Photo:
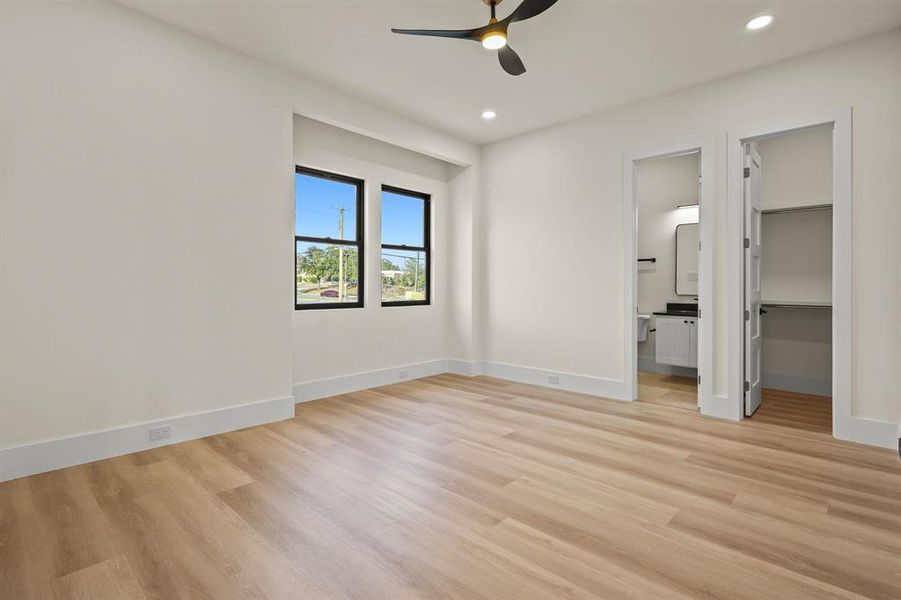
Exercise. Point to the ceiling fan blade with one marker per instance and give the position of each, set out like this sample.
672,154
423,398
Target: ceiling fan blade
460,34
530,8
510,61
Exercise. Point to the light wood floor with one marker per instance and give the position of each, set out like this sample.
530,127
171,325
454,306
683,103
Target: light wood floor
778,407
450,487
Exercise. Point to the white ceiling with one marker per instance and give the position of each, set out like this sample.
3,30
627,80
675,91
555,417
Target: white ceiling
581,55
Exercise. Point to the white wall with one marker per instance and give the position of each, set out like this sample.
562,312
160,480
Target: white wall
796,256
332,343
662,185
796,168
557,192
796,266
147,202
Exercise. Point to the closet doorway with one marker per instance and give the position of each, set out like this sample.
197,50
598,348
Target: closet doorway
793,276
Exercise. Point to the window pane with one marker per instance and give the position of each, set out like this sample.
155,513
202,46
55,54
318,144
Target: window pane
324,208
320,277
402,220
403,275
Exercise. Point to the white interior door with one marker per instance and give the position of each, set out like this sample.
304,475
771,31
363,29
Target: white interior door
752,280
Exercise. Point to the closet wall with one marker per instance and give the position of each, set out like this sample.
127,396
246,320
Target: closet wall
796,260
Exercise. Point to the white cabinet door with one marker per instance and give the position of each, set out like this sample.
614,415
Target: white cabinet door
693,343
672,343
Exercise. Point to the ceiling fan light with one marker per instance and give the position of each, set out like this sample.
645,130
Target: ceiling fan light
494,40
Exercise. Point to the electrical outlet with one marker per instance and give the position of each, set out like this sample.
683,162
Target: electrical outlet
553,379
403,374
160,433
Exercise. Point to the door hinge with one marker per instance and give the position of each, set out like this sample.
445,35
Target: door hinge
699,313
747,315
747,386
699,246
747,242
699,380
747,172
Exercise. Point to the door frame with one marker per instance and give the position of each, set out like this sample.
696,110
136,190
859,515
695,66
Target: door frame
706,215
843,425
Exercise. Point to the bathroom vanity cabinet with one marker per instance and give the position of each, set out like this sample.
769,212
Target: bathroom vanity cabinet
677,341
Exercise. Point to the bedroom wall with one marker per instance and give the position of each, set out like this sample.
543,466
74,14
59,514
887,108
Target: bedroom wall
557,192
146,240
340,343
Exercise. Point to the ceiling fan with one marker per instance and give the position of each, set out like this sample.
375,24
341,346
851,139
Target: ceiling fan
493,36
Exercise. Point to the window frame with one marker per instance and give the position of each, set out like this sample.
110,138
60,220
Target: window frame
426,247
359,184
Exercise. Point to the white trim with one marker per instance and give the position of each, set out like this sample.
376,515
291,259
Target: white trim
50,455
571,382
46,456
720,407
706,217
870,431
844,424
469,368
354,382
796,383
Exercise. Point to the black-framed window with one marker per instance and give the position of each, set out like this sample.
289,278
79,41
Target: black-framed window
328,240
406,247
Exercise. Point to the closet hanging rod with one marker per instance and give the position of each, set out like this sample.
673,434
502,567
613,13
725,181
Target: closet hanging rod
792,209
653,260
802,305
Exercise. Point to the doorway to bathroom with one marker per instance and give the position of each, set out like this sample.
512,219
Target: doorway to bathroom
668,192
669,269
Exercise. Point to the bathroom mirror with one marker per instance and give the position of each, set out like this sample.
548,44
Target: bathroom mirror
687,259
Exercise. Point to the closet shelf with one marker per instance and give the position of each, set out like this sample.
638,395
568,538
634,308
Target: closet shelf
793,209
796,304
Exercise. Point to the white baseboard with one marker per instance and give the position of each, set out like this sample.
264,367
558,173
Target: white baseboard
84,448
354,382
586,384
571,382
719,407
56,454
868,431
797,383
470,368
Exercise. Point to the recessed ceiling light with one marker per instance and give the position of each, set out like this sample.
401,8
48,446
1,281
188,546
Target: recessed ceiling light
759,22
488,114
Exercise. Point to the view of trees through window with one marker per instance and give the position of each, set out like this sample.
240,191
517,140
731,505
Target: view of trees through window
405,247
403,275
328,240
326,273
